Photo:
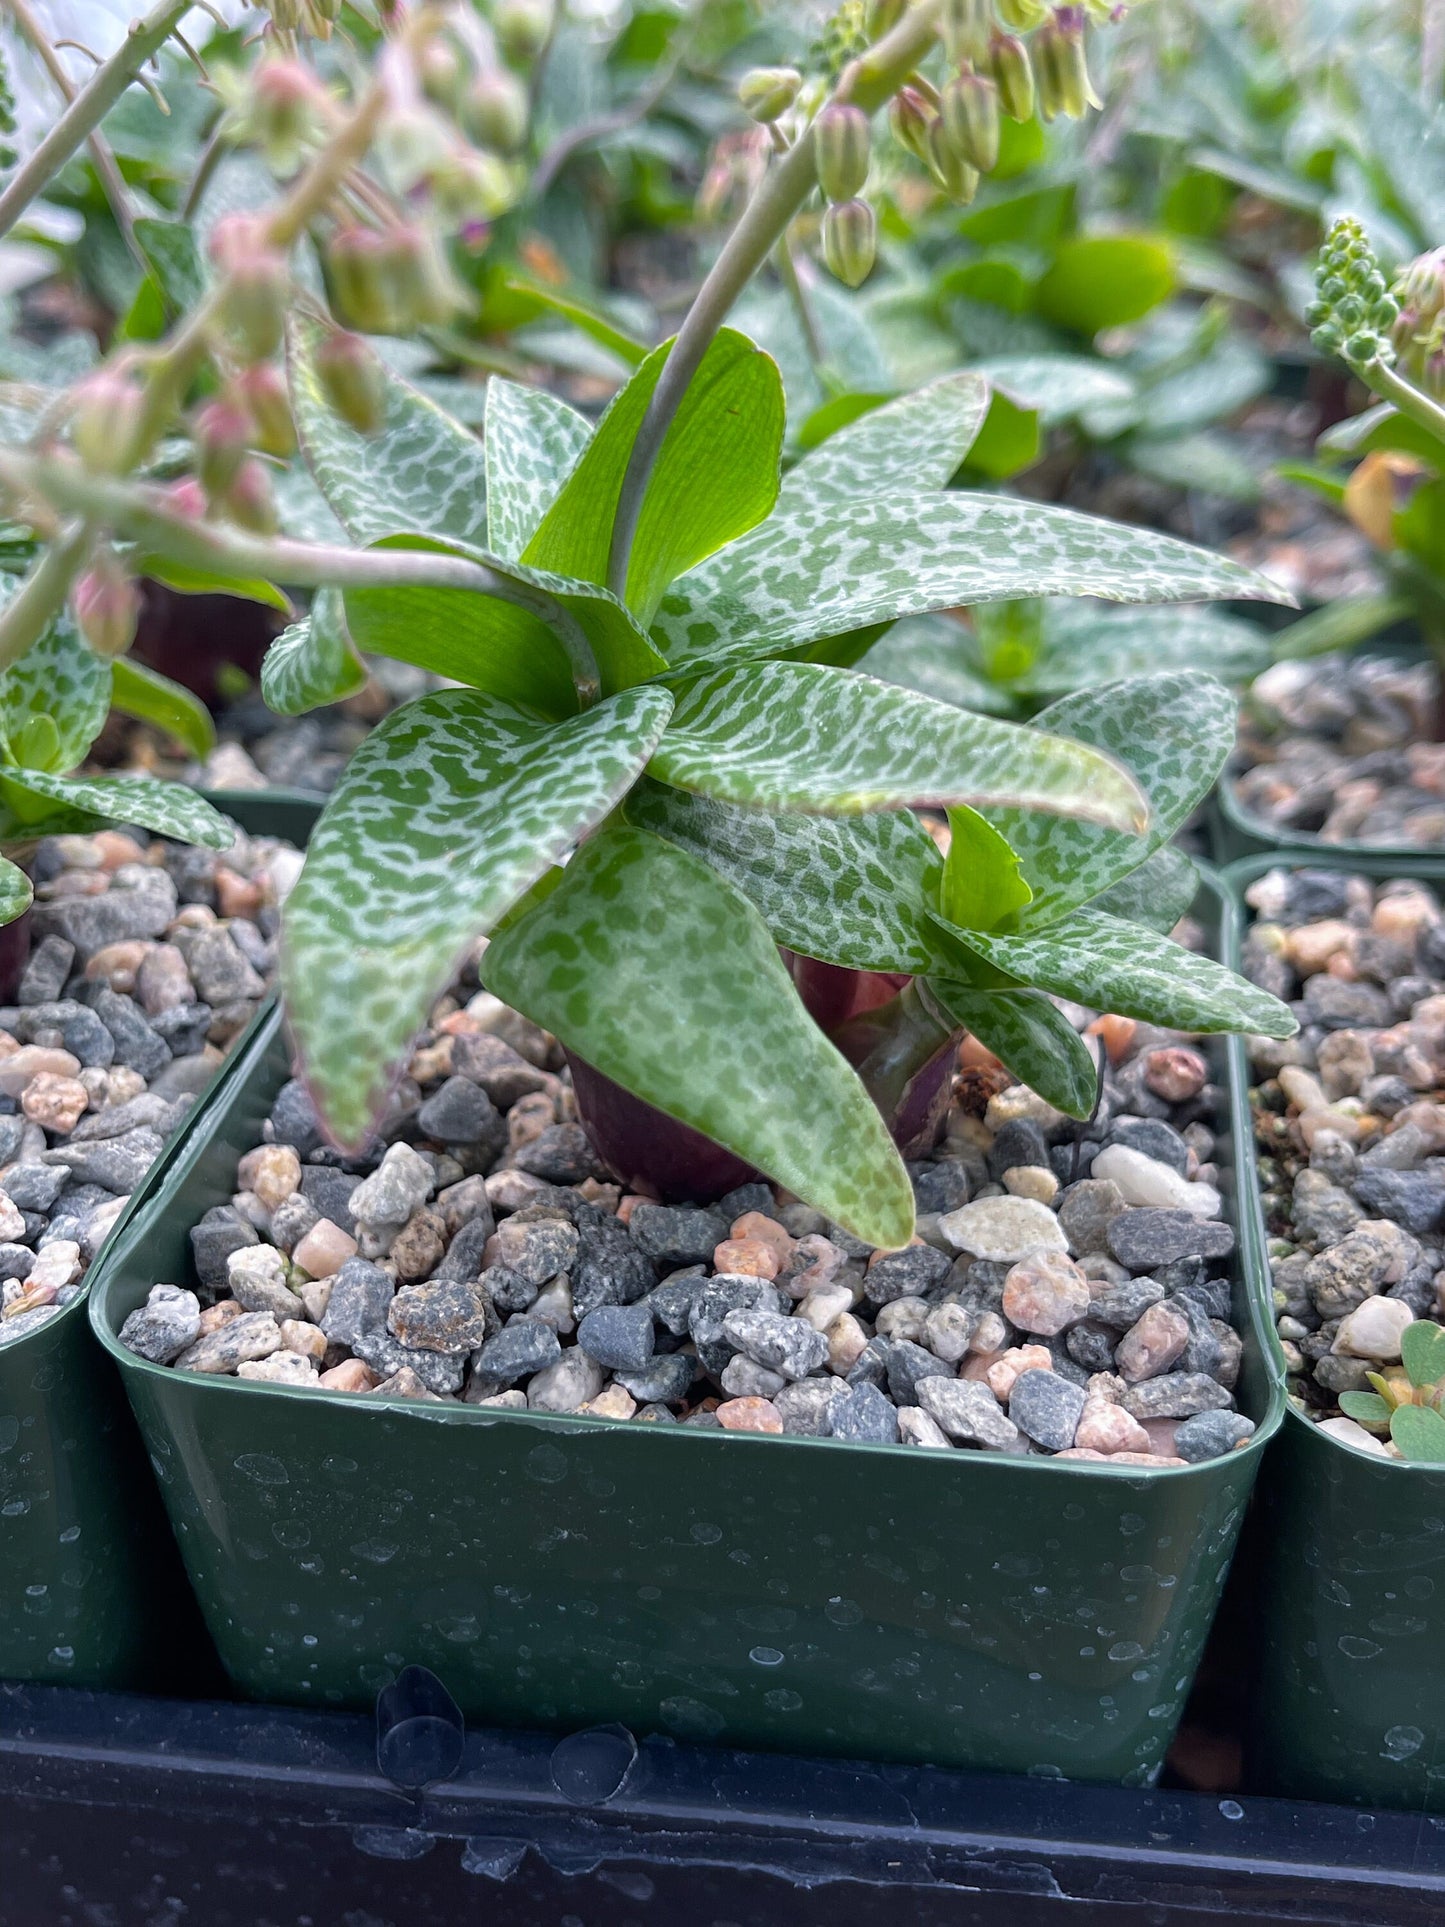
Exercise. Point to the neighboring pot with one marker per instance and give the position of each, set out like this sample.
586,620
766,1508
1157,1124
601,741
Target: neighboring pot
1349,1695
880,1601
91,1592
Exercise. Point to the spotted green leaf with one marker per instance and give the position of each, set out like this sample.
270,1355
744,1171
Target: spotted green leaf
916,442
170,809
1059,387
799,736
498,644
816,569
313,662
661,975
1173,732
1108,964
1422,1352
61,680
1032,1037
982,884
152,698
420,471
1083,645
533,443
850,890
15,891
940,658
446,814
1157,894
1419,1431
715,477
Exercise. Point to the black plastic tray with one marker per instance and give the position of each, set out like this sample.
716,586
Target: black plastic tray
128,1811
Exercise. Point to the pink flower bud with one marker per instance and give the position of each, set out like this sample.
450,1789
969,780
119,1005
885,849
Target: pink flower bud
221,432
495,111
261,391
248,499
186,497
353,381
108,410
107,605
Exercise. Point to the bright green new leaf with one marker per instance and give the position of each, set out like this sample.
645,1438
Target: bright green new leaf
916,442
1422,1352
587,317
15,891
313,662
818,569
170,809
58,680
1419,1431
850,890
1104,280
1174,732
982,884
1059,388
1380,427
152,698
798,736
501,645
1010,440
1032,1037
663,977
533,442
446,814
1365,1408
175,262
1157,894
421,472
186,580
715,478
1107,964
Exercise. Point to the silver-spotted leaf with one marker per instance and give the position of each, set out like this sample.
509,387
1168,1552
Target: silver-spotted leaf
1029,1035
646,963
61,679
1157,894
1110,965
447,813
916,442
850,890
533,442
312,663
716,475
15,891
170,809
420,472
1173,731
800,736
818,569
1083,645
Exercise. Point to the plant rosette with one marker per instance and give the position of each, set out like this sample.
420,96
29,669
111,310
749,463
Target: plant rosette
149,961
1350,1121
1067,1294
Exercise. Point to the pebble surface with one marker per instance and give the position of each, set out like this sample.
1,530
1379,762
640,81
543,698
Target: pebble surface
1350,1124
479,1254
1343,748
148,960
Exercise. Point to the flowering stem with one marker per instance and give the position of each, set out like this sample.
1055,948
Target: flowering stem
869,81
35,604
1405,396
89,107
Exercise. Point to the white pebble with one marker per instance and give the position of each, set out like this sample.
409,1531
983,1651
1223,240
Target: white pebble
1145,1181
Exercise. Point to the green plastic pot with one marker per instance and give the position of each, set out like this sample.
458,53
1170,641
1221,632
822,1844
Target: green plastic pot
879,1601
1350,1694
91,1591
1236,832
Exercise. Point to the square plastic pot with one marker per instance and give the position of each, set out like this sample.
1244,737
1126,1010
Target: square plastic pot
91,1592
883,1601
1349,1692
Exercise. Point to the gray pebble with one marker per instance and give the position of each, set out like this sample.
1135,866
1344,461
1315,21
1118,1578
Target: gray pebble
1175,1395
663,1380
520,1348
676,1235
619,1337
164,1325
788,1345
255,1334
1147,1238
1046,1408
450,1316
440,1372
1208,1435
361,1295
967,1410
866,1416
460,1112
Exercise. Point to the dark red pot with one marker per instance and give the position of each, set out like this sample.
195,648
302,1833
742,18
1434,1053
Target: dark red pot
14,955
191,637
646,1149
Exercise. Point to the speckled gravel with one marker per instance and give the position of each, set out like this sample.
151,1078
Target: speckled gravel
1350,1121
1067,1293
148,961
1341,748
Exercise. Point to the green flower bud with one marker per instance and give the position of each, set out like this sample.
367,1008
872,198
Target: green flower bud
1013,76
284,114
841,137
1353,314
221,432
107,409
261,392
352,381
967,25
958,180
1022,16
1418,325
523,28
247,500
442,70
1061,67
911,117
495,111
257,286
387,281
107,605
472,188
850,241
969,109
767,92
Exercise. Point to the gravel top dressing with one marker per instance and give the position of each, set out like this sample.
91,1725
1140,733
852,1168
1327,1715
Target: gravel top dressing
1350,1119
1067,1294
148,961
1341,748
